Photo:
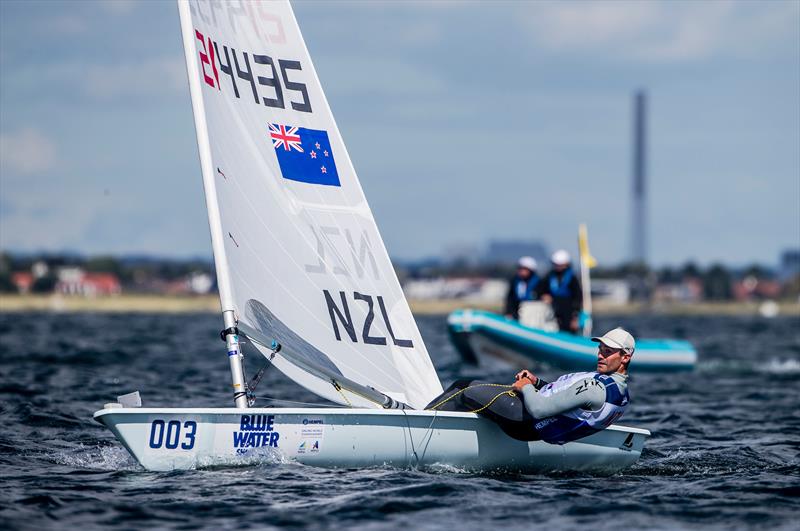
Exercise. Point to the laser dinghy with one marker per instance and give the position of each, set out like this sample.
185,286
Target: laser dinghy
305,279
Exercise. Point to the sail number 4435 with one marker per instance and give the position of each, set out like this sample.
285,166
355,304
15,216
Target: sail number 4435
171,434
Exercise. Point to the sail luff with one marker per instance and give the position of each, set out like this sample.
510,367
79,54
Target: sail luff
206,165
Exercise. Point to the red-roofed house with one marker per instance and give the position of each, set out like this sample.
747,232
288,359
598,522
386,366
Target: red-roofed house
23,281
77,282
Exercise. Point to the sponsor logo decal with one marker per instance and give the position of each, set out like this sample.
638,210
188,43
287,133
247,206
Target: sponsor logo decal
308,447
312,432
255,431
541,424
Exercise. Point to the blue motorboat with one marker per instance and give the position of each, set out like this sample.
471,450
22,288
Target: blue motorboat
477,332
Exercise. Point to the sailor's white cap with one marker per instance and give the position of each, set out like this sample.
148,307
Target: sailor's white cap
527,262
560,257
617,338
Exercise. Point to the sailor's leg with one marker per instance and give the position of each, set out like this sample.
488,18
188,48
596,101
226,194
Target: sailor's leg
450,399
495,402
503,406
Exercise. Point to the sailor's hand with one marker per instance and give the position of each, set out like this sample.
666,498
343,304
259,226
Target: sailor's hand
523,378
524,373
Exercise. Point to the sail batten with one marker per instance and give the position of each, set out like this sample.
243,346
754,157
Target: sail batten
299,256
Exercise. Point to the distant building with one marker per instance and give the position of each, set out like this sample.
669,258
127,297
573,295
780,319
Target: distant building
509,251
750,288
75,281
789,266
200,283
193,284
615,292
40,269
468,254
475,290
689,290
23,281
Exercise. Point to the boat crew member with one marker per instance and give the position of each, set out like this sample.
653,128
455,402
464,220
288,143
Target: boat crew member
572,407
561,289
522,287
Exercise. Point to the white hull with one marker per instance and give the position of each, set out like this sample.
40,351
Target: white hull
185,438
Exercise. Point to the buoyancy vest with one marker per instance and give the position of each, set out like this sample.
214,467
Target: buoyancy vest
577,423
561,289
524,288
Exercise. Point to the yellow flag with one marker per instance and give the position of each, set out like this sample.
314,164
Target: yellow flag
583,245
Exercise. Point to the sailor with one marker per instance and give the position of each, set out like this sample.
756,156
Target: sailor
522,287
572,407
561,289
579,404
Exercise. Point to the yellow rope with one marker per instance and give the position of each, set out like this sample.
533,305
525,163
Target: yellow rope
339,388
508,392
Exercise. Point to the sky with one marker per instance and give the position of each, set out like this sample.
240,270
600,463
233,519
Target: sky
98,152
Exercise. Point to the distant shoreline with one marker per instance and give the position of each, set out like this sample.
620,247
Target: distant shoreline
129,303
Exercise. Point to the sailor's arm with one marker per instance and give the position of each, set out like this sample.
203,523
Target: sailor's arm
586,394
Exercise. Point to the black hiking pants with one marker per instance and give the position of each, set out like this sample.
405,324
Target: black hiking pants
506,410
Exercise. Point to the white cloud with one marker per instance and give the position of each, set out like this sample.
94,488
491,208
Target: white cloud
583,26
148,77
65,24
26,152
118,7
658,31
379,75
72,21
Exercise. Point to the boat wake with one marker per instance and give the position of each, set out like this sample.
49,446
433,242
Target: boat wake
253,458
704,462
780,366
776,366
444,468
110,458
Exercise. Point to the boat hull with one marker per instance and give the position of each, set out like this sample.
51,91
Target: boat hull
475,333
186,438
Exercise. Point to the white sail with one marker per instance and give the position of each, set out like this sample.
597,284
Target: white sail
298,254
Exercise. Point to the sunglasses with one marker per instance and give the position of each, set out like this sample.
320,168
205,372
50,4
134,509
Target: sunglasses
608,351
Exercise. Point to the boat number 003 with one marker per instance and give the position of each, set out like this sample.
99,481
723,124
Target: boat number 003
168,434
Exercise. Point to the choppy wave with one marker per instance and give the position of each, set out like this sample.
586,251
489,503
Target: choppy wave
723,454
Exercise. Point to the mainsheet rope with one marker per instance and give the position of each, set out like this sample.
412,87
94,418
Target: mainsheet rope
508,392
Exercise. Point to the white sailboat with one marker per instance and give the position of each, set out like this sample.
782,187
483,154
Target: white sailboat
304,276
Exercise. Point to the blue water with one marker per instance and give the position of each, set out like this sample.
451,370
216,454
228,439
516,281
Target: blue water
725,450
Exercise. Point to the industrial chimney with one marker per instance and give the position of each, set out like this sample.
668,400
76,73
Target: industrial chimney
639,221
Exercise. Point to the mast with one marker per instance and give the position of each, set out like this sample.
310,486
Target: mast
212,206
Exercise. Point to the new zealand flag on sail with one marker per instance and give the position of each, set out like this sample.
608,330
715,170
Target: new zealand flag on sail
304,155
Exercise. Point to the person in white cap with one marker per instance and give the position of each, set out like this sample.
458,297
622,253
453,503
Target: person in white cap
522,287
581,403
574,406
560,287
